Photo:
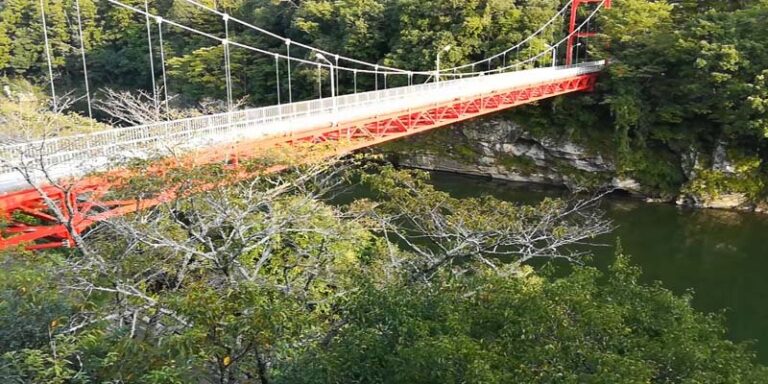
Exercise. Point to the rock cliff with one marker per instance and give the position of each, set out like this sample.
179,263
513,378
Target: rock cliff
502,149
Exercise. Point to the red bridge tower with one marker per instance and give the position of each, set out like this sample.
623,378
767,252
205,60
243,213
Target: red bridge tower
573,35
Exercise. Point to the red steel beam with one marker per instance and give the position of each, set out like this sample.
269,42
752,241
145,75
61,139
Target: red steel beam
87,196
573,35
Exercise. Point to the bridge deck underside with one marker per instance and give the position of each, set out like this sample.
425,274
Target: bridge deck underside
83,202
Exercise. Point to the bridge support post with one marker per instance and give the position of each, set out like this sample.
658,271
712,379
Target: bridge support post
573,34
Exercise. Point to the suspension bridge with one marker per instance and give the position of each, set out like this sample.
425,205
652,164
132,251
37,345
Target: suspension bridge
48,192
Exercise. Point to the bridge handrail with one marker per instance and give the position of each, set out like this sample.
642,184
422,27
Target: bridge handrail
112,142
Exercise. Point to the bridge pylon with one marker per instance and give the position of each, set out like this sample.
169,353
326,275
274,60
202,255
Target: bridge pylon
573,33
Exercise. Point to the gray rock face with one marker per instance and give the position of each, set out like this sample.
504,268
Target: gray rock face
722,201
689,162
525,148
726,165
485,167
500,149
721,161
506,151
627,184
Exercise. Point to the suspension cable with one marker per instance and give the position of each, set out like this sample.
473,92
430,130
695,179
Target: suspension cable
547,51
276,36
244,46
48,56
336,69
367,64
85,66
290,90
162,62
565,39
277,78
151,59
586,41
389,70
518,45
227,63
376,70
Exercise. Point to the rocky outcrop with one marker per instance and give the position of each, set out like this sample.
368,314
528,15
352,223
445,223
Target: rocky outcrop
501,149
486,166
725,180
721,161
716,201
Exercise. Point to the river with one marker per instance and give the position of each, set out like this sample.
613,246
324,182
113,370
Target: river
719,255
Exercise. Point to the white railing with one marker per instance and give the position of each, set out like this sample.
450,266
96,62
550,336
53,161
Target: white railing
201,131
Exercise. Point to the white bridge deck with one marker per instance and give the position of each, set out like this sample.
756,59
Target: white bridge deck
78,154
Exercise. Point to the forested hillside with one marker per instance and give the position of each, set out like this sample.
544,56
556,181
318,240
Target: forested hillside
401,33
685,96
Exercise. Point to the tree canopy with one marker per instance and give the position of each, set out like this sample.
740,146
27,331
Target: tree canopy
288,278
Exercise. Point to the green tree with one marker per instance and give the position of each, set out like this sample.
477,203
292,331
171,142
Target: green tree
356,28
5,45
588,327
21,22
473,28
262,280
30,301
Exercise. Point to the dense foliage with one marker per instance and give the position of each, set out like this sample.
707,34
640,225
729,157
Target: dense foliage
266,280
402,33
684,100
584,328
713,91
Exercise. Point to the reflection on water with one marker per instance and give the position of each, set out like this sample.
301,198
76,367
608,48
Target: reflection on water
720,255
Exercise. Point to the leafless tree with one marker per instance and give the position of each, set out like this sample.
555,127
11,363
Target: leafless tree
136,107
39,123
220,226
232,234
447,233
28,159
132,108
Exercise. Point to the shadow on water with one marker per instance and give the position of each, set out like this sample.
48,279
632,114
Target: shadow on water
720,255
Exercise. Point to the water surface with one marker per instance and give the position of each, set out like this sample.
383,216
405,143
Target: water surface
719,255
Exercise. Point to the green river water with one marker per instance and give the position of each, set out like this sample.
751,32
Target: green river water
719,255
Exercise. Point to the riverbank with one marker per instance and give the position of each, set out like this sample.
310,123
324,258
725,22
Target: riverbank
503,148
